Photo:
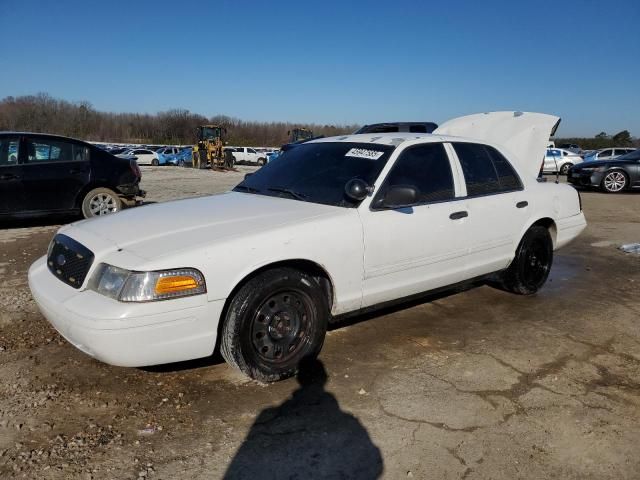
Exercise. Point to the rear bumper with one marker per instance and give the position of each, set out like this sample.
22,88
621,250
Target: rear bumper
131,191
128,335
569,228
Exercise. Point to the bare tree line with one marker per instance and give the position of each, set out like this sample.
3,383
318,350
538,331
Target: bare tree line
43,113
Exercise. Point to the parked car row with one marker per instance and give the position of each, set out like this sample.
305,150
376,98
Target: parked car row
612,174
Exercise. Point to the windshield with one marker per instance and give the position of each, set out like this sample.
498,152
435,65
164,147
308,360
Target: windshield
318,172
210,133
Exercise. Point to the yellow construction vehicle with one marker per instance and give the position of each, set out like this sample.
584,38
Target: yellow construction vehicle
299,135
209,148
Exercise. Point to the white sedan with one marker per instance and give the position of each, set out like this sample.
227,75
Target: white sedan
334,226
143,156
560,160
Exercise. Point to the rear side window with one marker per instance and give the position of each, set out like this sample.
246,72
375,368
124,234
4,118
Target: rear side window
486,171
44,150
9,151
425,167
479,174
507,176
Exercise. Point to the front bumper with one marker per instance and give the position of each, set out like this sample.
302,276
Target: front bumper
127,334
585,179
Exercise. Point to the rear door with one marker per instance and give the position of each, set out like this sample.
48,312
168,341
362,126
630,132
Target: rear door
55,170
496,204
11,190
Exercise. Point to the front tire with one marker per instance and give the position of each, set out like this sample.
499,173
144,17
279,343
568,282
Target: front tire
277,319
99,202
531,265
615,181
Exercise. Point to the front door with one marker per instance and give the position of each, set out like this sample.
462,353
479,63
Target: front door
54,173
420,247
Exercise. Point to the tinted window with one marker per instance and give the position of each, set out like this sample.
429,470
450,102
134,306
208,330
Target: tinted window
251,150
605,153
44,150
418,129
425,167
507,176
9,151
479,174
318,172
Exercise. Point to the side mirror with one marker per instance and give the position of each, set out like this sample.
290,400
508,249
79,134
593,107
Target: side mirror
400,196
357,189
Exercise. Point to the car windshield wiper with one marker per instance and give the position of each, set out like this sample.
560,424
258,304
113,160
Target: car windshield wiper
293,193
244,188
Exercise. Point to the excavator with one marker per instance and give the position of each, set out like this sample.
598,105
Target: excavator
209,148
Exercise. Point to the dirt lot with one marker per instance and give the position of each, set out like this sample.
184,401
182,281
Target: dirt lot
473,384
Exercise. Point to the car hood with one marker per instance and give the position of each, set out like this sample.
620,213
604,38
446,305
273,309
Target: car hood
154,230
524,135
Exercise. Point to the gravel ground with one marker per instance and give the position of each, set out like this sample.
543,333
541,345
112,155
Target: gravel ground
467,384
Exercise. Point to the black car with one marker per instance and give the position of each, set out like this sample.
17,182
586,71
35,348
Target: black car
42,173
615,175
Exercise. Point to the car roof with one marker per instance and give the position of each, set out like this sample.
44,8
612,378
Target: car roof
394,138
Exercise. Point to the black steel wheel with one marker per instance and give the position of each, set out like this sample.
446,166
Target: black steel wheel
531,265
274,321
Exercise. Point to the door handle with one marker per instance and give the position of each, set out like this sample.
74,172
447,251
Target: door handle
8,176
522,204
458,215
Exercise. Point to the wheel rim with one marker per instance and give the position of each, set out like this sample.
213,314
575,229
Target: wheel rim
280,327
614,181
102,204
536,263
565,169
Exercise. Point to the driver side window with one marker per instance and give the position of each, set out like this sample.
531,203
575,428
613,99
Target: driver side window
425,167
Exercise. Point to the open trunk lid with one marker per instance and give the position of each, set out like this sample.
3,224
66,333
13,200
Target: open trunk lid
524,135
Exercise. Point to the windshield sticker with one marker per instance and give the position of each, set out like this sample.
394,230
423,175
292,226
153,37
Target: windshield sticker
364,153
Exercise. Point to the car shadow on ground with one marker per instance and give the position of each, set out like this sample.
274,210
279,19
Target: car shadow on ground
307,436
43,221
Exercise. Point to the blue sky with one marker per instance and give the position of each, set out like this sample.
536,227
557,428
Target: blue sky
332,62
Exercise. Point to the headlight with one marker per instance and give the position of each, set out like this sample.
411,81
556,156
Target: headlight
128,286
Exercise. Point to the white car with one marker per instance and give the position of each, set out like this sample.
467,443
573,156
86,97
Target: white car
607,154
143,156
334,226
248,155
560,160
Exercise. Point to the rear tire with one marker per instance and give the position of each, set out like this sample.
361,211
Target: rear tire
277,319
99,202
155,162
564,169
531,265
